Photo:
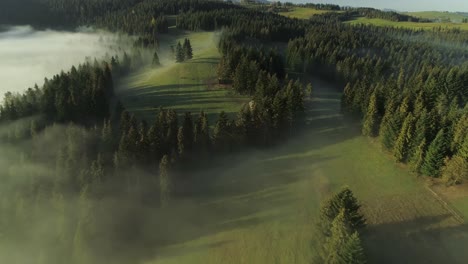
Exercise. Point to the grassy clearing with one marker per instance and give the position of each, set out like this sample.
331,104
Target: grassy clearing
303,12
412,25
438,15
189,86
261,206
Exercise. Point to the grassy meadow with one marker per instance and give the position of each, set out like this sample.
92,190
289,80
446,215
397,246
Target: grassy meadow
411,25
190,86
303,12
261,206
438,15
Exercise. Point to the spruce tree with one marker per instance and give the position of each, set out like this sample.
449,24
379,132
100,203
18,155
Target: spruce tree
202,133
339,235
371,120
156,61
181,142
180,55
165,183
434,159
221,132
187,47
405,137
353,252
417,159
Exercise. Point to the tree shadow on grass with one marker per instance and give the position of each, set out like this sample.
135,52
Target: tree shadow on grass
415,241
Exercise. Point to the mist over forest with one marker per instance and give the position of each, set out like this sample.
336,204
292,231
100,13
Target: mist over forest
207,132
28,55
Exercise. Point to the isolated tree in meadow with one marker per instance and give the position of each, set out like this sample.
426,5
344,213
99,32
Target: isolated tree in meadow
179,53
165,183
156,61
405,137
371,119
346,200
434,159
187,47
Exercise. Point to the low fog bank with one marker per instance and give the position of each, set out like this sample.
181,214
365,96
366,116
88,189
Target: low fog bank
27,56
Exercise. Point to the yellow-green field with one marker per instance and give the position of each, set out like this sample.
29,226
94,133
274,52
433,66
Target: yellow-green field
261,206
454,17
186,87
411,25
303,12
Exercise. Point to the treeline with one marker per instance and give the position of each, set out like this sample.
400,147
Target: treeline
409,91
244,22
82,95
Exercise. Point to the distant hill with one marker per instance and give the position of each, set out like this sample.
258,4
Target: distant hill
440,16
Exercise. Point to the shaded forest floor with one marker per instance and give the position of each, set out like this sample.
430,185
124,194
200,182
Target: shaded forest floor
261,206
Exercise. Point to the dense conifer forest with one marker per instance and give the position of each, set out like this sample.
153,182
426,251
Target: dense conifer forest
82,154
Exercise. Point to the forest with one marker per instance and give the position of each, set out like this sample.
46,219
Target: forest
84,178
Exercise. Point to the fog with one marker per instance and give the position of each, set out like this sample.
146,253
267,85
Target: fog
28,55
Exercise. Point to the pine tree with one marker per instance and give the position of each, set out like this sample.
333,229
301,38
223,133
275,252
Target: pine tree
181,142
342,200
187,47
156,61
180,55
221,132
455,170
339,235
353,252
418,157
165,183
405,137
371,120
434,159
202,133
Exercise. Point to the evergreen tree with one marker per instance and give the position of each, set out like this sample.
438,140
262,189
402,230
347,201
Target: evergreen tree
371,120
156,61
179,53
221,132
343,200
418,157
202,133
455,170
434,159
165,182
402,144
353,252
187,47
339,236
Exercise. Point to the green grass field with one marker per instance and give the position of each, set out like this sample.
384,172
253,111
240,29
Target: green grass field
438,15
186,87
261,206
412,25
303,12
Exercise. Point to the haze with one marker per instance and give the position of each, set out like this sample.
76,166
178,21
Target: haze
27,55
400,5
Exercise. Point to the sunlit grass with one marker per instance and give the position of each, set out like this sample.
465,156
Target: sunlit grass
303,12
186,87
411,25
261,206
